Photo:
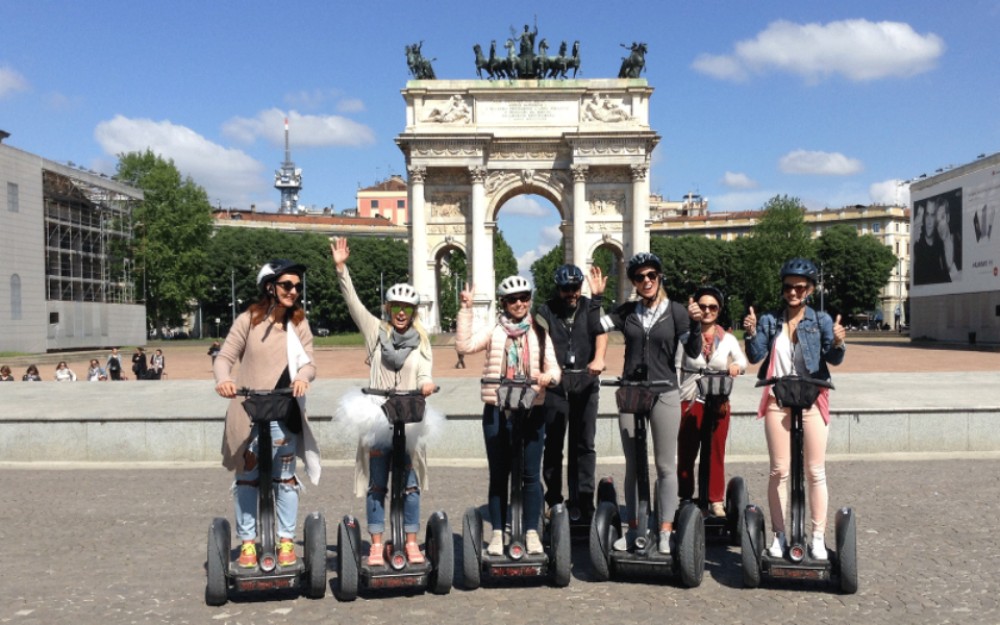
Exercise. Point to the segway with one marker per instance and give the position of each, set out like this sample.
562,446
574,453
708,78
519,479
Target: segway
515,397
686,560
353,569
309,571
841,565
714,388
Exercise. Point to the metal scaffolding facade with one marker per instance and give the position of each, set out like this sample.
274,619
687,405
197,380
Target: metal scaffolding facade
87,241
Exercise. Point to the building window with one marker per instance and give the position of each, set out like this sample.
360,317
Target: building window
876,227
15,297
400,203
374,204
12,197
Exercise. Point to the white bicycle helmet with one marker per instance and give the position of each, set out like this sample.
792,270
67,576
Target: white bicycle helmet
514,284
403,293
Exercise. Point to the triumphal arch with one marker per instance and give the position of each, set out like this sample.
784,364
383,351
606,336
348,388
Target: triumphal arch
472,145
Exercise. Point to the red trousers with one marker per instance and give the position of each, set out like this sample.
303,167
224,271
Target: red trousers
689,444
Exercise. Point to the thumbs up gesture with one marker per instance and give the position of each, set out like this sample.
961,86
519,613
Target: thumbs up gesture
839,334
750,322
694,311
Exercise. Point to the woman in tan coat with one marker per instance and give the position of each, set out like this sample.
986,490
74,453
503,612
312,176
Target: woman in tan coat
514,346
273,345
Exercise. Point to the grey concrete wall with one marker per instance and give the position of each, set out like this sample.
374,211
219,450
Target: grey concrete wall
182,420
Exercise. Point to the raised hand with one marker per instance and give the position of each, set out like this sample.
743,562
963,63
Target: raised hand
340,252
597,280
694,311
750,322
839,334
466,296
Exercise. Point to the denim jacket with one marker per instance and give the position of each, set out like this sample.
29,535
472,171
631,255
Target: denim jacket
815,334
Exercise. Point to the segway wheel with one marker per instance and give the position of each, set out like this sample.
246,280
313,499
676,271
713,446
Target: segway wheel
690,546
605,528
314,537
472,542
606,491
348,558
216,586
441,553
847,550
561,547
737,499
752,545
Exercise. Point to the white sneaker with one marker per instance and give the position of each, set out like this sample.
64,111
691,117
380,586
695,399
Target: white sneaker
533,542
664,545
495,547
818,547
624,541
779,545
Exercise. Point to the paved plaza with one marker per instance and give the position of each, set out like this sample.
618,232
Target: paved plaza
102,546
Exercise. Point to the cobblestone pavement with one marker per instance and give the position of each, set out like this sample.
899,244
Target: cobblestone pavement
86,546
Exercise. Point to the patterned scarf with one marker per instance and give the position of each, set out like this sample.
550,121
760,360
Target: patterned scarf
517,346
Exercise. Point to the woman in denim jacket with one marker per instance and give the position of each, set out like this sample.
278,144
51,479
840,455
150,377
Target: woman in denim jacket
796,340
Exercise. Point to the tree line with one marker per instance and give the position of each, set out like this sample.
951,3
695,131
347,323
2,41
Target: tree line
181,265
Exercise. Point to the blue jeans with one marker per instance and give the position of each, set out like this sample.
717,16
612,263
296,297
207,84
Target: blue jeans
497,433
379,462
286,492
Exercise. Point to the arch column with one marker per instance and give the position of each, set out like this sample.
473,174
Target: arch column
580,214
482,246
418,232
640,208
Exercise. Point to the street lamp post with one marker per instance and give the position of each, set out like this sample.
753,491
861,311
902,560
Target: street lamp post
232,292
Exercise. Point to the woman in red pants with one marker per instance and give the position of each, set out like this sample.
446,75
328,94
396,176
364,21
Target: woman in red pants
721,352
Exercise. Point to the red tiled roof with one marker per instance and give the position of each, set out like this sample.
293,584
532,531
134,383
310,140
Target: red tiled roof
332,220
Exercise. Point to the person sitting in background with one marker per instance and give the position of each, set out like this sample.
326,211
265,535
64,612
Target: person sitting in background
95,373
31,375
64,373
5,375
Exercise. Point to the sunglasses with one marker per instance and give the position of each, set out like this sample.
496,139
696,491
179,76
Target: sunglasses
798,288
288,285
652,276
521,297
401,308
709,307
569,288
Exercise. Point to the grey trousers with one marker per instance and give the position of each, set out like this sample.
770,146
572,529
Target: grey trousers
661,432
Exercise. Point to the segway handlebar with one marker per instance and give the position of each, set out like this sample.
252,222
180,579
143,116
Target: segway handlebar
509,381
813,381
705,371
621,382
247,392
394,392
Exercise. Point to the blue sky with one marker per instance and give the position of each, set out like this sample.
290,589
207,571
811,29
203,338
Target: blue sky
831,102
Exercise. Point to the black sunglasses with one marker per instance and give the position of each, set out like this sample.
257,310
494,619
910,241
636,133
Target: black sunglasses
569,288
709,307
520,297
648,275
288,285
798,288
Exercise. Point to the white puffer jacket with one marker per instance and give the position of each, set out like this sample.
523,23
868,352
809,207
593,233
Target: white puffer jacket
493,339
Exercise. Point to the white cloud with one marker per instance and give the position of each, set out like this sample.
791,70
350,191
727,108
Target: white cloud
229,176
527,206
736,180
890,192
350,105
858,49
819,163
59,102
304,130
11,82
740,201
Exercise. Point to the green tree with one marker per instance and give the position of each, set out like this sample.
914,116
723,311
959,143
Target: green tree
608,262
504,262
780,234
543,273
171,228
454,274
855,268
693,261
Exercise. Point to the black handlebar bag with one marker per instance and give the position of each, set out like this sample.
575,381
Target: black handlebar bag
573,382
404,408
267,408
516,397
715,386
795,393
635,399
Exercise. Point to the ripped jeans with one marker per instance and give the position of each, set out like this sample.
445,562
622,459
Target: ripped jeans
379,462
286,486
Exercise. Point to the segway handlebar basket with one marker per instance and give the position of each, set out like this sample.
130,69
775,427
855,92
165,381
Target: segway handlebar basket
265,406
401,406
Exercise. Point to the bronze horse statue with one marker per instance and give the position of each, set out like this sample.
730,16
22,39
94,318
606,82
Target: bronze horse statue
560,65
419,66
635,63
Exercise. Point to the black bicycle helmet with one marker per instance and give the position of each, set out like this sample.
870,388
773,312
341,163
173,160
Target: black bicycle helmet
642,259
277,267
708,289
569,275
802,267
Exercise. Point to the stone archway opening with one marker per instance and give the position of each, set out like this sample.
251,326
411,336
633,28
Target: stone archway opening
609,257
532,225
451,275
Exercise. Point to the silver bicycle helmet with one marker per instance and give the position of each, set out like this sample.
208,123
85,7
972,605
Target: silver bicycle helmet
514,284
402,293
